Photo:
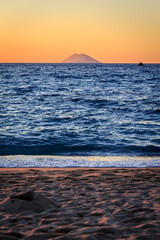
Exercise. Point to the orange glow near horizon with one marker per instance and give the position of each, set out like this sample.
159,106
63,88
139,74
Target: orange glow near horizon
119,31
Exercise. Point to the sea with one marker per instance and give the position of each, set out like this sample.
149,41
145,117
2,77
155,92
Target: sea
79,115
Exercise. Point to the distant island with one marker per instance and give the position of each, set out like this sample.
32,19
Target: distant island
80,58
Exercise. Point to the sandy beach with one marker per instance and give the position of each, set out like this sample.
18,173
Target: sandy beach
79,203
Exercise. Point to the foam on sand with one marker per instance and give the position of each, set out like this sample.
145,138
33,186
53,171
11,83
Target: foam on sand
78,161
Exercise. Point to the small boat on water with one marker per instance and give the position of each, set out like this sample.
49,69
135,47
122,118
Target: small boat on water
140,64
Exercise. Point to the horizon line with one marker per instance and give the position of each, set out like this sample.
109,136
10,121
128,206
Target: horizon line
78,63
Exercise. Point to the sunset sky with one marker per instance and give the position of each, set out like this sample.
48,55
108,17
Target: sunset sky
111,31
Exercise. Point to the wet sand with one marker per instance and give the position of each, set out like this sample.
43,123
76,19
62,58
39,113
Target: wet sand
80,203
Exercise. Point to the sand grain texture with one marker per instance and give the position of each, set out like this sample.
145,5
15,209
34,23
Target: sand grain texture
80,204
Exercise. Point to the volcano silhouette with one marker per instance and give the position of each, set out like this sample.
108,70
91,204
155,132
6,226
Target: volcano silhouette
80,58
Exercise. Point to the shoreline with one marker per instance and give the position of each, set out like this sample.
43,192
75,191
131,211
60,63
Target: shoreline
75,168
79,203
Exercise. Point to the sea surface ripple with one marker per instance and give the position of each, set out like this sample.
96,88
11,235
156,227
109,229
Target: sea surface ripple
80,109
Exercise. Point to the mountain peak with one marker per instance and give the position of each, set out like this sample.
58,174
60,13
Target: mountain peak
80,58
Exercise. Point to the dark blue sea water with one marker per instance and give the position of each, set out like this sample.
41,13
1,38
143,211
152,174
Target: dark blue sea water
80,109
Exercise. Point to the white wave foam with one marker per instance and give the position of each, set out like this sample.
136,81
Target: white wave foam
79,161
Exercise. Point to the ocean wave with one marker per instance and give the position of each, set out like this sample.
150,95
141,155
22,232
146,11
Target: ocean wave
61,149
79,109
